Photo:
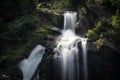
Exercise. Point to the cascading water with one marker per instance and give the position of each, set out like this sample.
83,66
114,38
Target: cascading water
70,18
67,49
28,66
67,52
84,51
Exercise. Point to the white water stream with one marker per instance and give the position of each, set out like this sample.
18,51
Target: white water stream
67,49
28,66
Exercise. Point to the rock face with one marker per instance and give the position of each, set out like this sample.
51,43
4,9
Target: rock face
53,18
104,64
56,30
88,16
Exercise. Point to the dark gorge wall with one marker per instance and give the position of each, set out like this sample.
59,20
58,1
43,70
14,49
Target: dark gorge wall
103,64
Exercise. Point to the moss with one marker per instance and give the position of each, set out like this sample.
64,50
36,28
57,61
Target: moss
99,43
46,61
106,28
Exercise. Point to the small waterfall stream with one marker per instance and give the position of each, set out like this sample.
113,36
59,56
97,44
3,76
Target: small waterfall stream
28,66
66,52
70,18
84,51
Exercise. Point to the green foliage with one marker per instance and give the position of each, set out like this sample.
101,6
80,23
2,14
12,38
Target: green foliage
91,34
105,28
12,9
90,1
43,5
99,31
44,28
111,5
20,31
116,21
15,39
17,29
15,51
19,23
99,43
28,6
60,4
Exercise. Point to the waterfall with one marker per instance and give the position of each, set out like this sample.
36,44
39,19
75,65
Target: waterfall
66,51
84,51
28,66
70,18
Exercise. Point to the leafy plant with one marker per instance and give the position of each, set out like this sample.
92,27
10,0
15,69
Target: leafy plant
106,28
60,4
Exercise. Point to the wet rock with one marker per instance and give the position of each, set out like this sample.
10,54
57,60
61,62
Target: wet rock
56,30
111,45
91,46
88,15
104,64
55,19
